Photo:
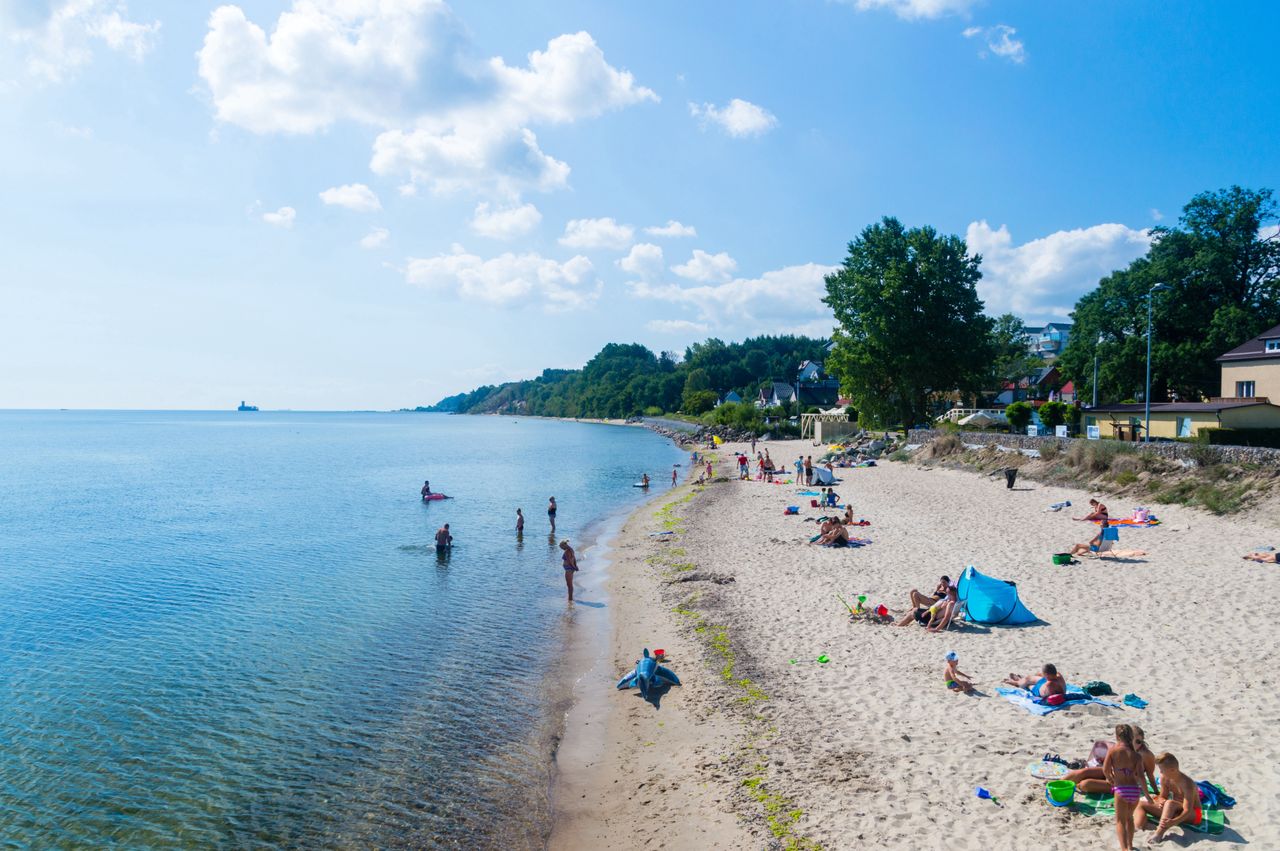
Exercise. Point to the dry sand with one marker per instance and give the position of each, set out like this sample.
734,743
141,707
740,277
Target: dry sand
871,750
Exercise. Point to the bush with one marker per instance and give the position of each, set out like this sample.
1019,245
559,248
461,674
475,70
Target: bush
699,401
1054,413
1096,456
1269,437
653,411
852,413
941,447
1049,451
1019,415
1204,456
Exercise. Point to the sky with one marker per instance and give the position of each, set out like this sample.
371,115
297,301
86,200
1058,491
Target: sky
355,204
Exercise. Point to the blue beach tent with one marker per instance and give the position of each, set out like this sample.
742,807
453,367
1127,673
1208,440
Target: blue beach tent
989,600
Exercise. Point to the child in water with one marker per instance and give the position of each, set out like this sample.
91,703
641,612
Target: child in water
956,679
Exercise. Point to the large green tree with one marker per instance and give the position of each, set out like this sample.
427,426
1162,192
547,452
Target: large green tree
1011,357
910,323
1222,266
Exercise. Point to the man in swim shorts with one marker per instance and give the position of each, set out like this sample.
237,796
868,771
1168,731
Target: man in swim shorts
1177,803
444,540
1049,683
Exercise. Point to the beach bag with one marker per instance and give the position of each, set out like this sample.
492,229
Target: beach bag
813,503
1062,558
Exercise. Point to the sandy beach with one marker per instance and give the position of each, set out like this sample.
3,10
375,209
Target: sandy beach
870,749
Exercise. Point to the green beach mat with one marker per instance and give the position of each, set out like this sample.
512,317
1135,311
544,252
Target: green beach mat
1214,820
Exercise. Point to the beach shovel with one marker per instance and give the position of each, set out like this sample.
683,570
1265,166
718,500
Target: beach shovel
985,794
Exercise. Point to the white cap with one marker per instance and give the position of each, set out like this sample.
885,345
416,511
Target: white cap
951,656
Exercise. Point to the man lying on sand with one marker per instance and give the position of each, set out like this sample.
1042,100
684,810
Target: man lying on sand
1264,558
1050,682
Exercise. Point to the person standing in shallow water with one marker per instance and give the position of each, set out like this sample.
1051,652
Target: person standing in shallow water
570,561
519,522
551,514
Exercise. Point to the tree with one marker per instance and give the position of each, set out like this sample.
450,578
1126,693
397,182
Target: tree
1019,415
1011,359
699,401
910,321
1054,413
1225,279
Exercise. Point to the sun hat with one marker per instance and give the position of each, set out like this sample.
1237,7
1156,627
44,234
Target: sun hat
952,656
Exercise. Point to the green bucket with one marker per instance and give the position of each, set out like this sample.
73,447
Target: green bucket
1062,558
1060,792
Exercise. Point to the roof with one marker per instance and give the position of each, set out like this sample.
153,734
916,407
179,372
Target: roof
1255,348
1178,407
783,390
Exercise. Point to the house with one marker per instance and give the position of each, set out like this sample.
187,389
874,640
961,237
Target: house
1252,370
730,398
775,393
1183,419
814,387
1042,383
1048,341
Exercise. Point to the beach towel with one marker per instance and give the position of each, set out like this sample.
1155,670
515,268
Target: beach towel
1025,699
1131,523
1213,795
1105,805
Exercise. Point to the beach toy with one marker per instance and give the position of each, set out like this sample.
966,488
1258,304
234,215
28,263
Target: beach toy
985,794
1042,770
792,509
1062,558
881,611
659,653
822,660
1060,793
862,598
648,674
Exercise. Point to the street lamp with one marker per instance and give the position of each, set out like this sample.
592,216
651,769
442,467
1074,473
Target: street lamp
1146,436
1101,337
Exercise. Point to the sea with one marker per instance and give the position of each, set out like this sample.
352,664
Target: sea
233,630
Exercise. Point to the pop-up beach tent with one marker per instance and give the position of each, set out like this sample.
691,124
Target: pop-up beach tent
991,601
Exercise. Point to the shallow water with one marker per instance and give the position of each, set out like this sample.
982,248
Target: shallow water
226,629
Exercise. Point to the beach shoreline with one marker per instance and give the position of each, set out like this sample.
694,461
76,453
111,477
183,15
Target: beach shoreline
755,751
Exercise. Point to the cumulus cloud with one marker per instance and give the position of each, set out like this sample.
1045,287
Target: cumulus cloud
787,299
597,233
375,238
645,261
915,9
707,267
53,49
1044,277
508,279
447,121
738,118
504,222
672,229
353,196
282,218
677,326
999,41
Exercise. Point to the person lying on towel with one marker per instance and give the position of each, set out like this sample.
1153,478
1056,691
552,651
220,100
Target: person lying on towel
1264,558
1049,683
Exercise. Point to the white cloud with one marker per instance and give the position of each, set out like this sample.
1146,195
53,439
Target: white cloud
787,299
677,326
738,118
505,222
645,260
448,121
282,218
707,267
55,48
508,279
916,9
671,229
375,238
999,41
597,233
1044,278
1156,215
353,196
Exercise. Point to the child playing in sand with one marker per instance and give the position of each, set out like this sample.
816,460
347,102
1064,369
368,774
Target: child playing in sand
1177,803
956,679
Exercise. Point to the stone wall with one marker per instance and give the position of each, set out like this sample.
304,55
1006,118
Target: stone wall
1176,451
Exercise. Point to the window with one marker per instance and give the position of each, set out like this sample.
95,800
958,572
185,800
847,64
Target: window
1244,389
1273,345
1184,426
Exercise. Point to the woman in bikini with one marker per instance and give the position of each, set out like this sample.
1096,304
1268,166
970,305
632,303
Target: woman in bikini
570,561
1123,770
1092,780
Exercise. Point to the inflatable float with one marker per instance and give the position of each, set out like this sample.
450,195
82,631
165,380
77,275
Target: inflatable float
648,674
432,497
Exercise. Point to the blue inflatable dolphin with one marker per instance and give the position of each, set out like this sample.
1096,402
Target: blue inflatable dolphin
647,675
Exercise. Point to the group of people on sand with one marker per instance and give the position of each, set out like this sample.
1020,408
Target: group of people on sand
933,611
834,531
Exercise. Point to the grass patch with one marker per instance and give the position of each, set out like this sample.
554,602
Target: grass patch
1124,478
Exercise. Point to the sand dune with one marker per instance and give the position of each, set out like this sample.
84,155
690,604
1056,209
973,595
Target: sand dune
870,748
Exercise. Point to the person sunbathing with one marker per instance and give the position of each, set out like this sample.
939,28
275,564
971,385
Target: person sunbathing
828,523
1262,557
848,515
1097,511
1095,546
1177,803
837,537
920,604
1049,683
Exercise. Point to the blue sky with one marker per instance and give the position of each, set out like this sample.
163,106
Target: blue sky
374,203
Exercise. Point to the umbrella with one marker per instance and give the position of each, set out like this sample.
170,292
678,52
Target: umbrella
981,418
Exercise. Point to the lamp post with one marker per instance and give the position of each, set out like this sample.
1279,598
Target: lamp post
1095,370
1146,398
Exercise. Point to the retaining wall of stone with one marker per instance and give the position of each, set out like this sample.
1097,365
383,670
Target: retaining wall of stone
1165,449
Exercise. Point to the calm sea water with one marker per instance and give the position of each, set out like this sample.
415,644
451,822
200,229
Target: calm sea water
232,630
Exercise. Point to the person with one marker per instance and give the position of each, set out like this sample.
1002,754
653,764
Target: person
1177,803
444,540
695,456
709,473
519,522
832,498
920,603
426,490
827,524
1097,511
551,514
1049,683
1106,532
799,469
1123,770
808,469
943,611
753,444
848,515
569,560
1262,557
956,679
644,480
673,477
838,536
1092,780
